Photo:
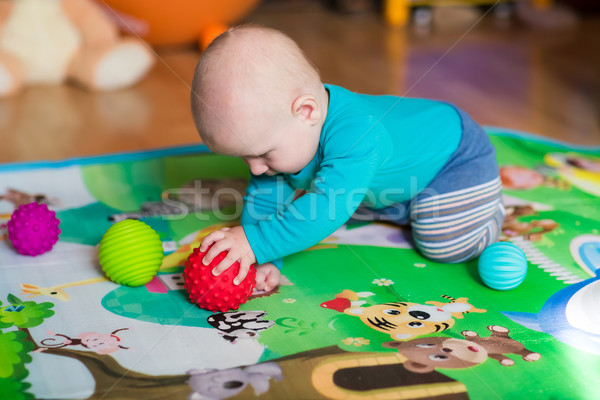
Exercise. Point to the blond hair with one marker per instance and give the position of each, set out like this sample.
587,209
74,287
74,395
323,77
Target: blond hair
253,61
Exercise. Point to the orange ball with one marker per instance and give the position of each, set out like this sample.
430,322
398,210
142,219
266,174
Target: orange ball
210,33
178,21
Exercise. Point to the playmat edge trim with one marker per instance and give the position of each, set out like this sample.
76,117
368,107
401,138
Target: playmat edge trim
500,131
125,156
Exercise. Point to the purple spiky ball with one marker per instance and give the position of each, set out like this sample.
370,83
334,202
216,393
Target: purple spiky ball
33,229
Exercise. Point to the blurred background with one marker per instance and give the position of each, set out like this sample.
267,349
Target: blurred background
528,65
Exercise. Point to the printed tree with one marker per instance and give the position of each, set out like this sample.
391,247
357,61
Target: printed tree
15,345
112,379
13,357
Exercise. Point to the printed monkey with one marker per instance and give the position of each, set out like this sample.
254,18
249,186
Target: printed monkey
101,343
428,353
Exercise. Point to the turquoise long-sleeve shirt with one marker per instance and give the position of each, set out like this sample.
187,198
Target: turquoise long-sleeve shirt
373,150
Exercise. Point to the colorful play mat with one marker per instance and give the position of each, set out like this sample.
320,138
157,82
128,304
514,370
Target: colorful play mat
360,315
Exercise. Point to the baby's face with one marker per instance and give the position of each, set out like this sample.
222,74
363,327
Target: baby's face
287,152
268,147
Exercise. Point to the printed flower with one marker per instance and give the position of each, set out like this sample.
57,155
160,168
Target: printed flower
382,282
359,341
419,265
289,301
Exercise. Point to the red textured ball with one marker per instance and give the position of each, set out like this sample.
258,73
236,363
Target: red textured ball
216,293
33,229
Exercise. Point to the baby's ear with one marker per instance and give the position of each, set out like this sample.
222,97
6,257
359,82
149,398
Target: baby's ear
307,108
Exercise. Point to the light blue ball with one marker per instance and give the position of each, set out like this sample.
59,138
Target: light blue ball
502,266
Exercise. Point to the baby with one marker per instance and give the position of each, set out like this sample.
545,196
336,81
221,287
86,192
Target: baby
321,155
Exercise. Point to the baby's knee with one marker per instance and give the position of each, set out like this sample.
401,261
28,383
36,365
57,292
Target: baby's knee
451,253
454,244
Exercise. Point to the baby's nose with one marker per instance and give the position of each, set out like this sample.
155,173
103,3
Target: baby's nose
257,168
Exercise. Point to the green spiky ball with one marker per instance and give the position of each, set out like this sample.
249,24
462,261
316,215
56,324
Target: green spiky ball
130,253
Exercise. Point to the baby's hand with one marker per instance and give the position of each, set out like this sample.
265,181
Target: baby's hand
267,277
232,240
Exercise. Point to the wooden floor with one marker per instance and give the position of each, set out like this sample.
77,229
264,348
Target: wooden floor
511,75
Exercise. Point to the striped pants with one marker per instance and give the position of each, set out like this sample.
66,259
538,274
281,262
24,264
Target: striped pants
457,226
460,212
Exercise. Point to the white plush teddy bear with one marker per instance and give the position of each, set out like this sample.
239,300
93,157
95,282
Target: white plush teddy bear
53,41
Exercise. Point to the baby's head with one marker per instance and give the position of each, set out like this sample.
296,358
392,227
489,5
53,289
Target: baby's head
255,95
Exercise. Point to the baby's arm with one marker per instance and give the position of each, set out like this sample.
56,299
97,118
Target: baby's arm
346,172
275,224
266,197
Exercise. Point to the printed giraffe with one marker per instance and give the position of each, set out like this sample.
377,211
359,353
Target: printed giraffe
57,291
